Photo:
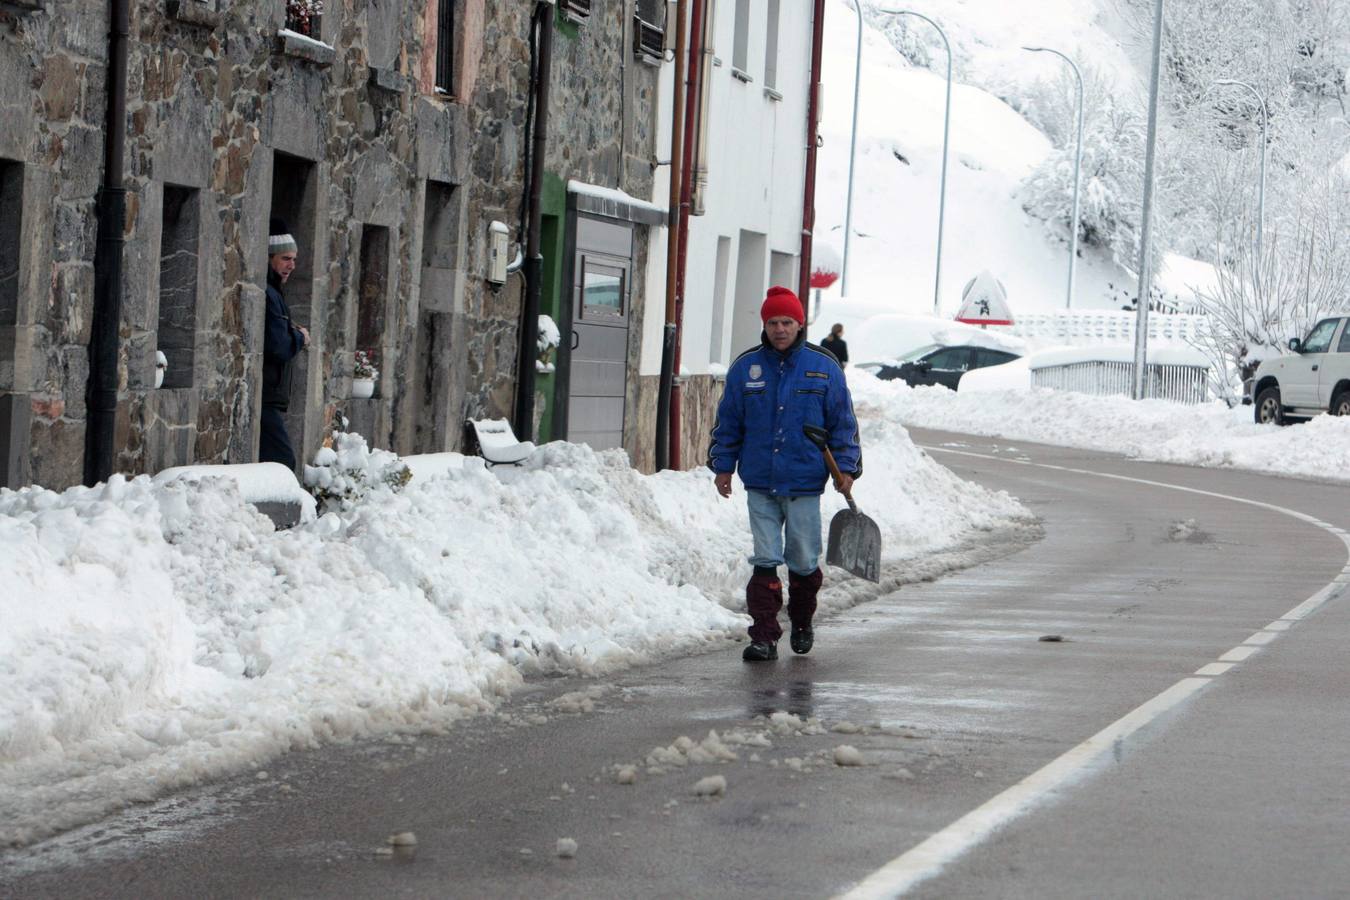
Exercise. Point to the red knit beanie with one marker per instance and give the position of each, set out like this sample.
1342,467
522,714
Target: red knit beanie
782,302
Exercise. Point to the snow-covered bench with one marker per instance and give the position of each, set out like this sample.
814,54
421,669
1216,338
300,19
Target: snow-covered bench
497,443
269,486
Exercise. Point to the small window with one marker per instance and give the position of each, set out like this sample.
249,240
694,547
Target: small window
177,331
1344,345
602,292
445,46
576,10
649,30
304,17
740,47
371,288
950,359
985,357
1319,339
11,226
771,47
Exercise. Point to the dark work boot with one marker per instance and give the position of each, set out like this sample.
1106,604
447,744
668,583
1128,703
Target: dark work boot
763,600
803,637
760,651
802,590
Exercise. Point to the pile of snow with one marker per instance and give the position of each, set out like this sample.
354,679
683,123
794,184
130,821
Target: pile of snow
159,634
266,482
1205,435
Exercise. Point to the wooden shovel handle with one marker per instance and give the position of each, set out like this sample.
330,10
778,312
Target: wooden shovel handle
838,477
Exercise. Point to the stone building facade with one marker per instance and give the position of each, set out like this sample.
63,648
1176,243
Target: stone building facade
388,162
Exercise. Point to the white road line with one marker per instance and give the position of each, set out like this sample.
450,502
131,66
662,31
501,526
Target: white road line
929,857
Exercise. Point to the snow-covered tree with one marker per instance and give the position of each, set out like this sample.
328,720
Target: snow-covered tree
1300,275
1112,177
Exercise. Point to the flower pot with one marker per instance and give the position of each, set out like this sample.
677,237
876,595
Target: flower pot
363,388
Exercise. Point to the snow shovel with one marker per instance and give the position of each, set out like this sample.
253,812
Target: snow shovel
855,540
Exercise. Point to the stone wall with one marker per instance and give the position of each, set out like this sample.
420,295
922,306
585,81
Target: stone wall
229,122
52,104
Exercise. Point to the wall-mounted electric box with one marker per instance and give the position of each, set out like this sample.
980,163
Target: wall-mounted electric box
499,244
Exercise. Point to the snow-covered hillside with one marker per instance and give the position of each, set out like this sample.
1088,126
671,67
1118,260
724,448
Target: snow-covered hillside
992,149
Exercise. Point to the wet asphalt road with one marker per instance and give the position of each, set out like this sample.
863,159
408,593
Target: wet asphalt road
1241,789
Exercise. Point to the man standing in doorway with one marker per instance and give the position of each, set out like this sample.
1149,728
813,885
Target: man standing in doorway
772,391
282,340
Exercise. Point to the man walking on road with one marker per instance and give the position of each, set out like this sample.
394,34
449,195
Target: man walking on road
772,391
282,340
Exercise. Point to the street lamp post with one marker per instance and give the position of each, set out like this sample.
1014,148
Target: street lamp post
1261,191
852,147
946,133
1146,213
1077,168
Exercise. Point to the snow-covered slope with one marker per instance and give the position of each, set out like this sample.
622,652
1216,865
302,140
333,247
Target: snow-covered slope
992,148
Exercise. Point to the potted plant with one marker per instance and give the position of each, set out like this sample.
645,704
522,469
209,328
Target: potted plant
364,374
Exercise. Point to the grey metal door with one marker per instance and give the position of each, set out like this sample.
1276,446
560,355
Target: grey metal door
601,292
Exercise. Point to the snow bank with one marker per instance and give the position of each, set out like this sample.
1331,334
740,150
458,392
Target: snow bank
160,634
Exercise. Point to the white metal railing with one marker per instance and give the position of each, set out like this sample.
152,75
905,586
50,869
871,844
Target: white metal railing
1076,327
1183,384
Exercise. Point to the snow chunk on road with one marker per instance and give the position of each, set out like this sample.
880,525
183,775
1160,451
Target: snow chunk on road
567,848
712,786
845,755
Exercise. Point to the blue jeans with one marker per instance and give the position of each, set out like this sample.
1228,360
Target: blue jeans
772,517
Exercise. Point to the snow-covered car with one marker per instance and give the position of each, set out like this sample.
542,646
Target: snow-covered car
938,364
1313,379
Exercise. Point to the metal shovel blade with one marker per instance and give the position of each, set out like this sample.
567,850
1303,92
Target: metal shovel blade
855,545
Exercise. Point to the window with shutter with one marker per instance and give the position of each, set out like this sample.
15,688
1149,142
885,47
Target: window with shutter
576,10
649,31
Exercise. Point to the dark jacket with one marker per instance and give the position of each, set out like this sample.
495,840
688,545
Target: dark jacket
281,342
837,346
768,397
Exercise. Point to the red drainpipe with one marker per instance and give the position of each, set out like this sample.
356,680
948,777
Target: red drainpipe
692,118
812,126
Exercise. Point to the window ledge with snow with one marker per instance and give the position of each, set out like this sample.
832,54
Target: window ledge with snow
301,46
741,75
193,12
772,94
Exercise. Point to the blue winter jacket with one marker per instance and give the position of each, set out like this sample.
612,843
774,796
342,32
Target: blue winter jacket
768,397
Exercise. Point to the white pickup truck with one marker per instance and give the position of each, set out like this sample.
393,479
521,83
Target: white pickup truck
1313,379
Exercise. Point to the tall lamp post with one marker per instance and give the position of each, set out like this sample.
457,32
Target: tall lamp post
1146,214
1077,168
946,133
1261,191
852,146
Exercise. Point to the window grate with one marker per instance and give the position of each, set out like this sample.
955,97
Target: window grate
445,46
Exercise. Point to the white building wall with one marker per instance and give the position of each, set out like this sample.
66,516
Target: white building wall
756,167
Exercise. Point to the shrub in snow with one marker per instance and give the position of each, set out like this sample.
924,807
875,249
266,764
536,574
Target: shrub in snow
547,343
1111,178
342,475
